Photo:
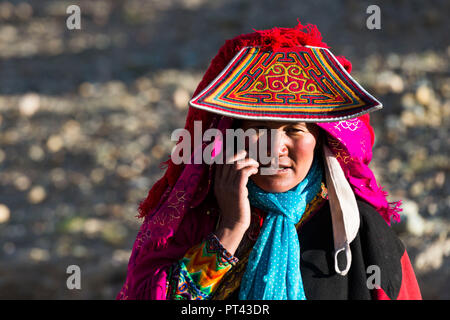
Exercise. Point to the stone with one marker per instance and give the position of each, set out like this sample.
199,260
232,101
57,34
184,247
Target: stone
39,255
22,182
55,143
394,165
29,104
36,153
389,81
37,194
432,258
92,226
417,188
414,223
181,99
440,178
4,213
408,100
424,95
24,11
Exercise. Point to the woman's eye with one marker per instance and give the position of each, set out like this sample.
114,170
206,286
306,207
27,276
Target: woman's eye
294,130
258,128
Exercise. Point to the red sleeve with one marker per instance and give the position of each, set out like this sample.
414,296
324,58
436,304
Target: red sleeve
409,289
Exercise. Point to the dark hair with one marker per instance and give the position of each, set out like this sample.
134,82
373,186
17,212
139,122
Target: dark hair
237,123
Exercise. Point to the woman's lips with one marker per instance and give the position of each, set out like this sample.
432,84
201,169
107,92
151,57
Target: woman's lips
284,170
282,167
271,171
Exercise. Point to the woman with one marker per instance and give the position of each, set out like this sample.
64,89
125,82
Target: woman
317,227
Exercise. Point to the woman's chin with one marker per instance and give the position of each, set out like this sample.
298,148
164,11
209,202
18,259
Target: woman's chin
281,181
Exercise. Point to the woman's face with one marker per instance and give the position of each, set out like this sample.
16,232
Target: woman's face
297,142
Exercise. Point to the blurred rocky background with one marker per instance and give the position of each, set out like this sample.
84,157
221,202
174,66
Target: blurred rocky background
86,117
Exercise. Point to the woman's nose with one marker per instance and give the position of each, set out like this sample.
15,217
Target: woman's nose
280,144
282,148
277,143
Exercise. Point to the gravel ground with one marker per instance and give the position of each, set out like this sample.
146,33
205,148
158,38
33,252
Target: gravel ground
86,117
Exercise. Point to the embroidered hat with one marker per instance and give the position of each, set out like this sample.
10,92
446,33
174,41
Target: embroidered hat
300,83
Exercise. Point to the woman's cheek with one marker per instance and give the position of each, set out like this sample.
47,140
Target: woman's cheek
305,146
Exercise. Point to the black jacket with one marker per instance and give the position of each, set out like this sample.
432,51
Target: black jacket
376,248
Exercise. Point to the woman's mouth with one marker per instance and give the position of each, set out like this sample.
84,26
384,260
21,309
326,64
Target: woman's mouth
283,169
274,168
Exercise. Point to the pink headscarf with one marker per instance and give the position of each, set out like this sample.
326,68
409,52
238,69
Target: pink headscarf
178,214
351,142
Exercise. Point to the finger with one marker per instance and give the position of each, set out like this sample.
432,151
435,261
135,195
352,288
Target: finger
241,178
228,170
235,157
238,165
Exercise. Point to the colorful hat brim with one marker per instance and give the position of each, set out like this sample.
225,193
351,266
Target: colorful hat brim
297,84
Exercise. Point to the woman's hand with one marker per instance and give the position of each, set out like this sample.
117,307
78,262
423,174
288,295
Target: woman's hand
230,189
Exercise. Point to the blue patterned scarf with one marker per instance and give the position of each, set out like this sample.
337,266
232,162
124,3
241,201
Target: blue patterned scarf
273,268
